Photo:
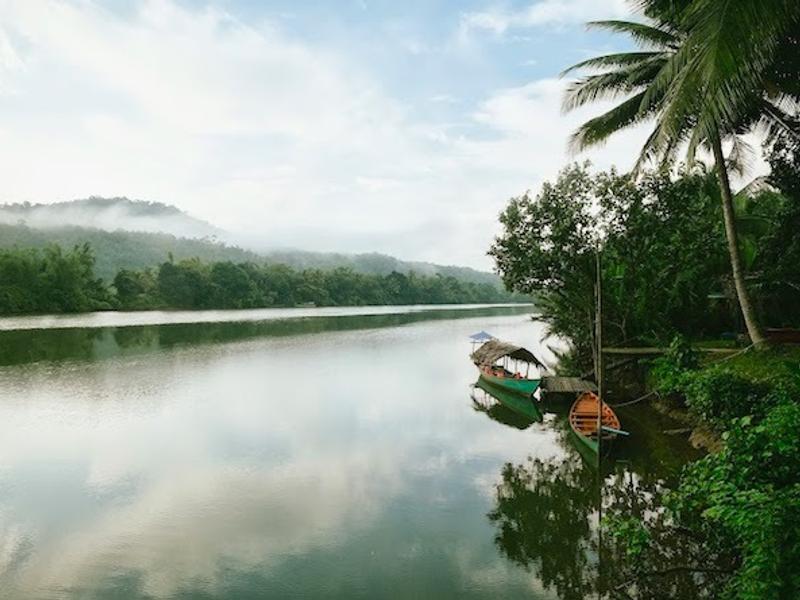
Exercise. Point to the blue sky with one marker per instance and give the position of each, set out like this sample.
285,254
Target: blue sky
356,125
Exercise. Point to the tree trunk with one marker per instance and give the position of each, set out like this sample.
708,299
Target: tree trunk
746,306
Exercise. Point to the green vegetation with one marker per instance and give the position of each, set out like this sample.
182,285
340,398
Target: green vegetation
34,281
664,263
683,259
706,72
734,517
193,284
116,250
52,281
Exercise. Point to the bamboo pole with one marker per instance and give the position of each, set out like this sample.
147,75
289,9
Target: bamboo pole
599,374
599,338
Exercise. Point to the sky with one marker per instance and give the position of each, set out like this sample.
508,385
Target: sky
348,125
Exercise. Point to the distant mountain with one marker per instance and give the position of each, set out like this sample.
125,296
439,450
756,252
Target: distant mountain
109,214
131,234
376,263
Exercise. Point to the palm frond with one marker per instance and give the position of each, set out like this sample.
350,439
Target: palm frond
733,45
621,59
643,34
613,84
598,130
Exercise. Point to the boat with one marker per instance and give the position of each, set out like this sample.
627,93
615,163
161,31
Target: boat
583,421
522,407
493,360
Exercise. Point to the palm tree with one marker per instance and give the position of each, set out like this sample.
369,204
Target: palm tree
701,86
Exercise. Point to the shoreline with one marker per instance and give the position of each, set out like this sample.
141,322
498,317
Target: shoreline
139,318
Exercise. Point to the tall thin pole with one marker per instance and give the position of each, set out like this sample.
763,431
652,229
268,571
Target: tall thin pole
599,376
599,350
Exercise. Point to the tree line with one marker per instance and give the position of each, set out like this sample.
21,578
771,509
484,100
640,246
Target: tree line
53,280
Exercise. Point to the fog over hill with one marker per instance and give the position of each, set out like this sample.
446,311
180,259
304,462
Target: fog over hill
109,214
133,234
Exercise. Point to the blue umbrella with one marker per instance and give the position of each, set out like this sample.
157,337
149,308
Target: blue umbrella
481,336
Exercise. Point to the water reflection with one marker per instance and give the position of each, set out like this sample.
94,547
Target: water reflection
254,460
544,517
486,399
546,511
57,344
262,466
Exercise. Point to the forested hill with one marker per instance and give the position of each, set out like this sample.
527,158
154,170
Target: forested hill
115,250
134,234
374,263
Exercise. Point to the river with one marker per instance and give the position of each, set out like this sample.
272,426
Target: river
338,454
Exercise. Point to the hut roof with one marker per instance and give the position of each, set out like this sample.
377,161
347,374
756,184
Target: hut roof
494,349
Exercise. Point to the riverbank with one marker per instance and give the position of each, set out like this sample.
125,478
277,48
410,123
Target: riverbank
111,318
735,511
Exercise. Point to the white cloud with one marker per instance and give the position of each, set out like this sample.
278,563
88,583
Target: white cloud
543,12
284,142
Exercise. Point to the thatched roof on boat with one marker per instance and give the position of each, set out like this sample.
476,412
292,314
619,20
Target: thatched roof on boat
492,350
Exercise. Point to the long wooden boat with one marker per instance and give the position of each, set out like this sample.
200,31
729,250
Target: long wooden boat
507,380
583,420
516,402
492,360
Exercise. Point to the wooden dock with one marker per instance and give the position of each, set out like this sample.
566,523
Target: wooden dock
567,385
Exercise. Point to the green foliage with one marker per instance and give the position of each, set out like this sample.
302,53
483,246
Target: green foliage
746,386
778,260
668,373
742,504
134,250
751,491
135,288
732,524
193,284
33,281
118,250
631,533
53,281
663,255
718,396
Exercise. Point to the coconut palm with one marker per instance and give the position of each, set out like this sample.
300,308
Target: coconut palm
690,78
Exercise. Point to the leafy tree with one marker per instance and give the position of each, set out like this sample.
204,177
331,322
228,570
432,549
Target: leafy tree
51,281
700,84
663,255
186,284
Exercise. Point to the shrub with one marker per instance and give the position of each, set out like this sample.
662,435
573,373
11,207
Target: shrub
749,494
669,373
718,395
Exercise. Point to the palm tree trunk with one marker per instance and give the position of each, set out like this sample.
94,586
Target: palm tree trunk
746,306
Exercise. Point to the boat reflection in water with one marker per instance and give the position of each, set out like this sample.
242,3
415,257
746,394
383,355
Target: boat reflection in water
504,406
483,401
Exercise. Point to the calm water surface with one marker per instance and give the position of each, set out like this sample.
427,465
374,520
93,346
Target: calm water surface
338,456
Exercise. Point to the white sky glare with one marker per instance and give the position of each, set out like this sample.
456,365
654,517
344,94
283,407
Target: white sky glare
342,126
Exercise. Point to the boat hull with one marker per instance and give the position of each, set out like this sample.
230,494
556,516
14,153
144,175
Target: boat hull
516,402
523,387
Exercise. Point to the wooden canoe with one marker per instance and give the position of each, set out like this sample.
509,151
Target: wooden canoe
583,420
